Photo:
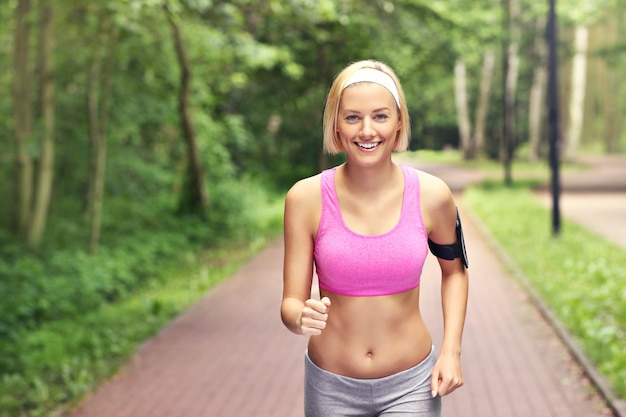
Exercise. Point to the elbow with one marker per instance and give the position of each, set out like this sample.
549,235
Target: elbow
290,315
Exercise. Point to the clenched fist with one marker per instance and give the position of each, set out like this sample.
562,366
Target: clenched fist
314,316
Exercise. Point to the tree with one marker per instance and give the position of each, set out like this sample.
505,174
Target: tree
613,88
581,16
45,175
100,75
472,141
462,107
33,192
22,116
194,198
578,87
511,72
538,90
473,35
246,80
486,81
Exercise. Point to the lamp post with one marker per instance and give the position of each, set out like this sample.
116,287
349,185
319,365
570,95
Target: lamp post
553,117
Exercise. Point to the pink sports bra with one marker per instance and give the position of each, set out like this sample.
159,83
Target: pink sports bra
352,264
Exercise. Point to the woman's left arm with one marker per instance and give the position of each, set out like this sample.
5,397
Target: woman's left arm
442,213
447,375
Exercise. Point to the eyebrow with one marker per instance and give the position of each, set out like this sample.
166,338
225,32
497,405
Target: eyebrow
373,111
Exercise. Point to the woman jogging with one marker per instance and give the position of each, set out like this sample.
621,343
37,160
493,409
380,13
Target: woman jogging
365,228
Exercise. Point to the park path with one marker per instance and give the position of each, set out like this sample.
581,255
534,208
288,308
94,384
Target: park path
596,198
230,356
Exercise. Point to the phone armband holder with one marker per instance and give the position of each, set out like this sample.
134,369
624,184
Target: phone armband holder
454,250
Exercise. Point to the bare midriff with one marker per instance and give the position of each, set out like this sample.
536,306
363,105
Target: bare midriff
371,337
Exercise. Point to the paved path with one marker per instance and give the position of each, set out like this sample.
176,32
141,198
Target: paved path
596,198
229,355
603,214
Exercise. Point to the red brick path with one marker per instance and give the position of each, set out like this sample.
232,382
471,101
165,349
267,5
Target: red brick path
230,356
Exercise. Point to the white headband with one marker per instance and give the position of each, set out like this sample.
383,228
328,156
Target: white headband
372,75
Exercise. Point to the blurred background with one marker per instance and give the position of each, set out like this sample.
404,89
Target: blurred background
146,145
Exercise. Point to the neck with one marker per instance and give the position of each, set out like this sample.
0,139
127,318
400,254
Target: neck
369,179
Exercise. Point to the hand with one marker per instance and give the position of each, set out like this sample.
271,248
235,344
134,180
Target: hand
314,316
447,375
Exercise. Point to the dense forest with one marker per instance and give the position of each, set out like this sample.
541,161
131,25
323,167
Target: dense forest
112,98
132,131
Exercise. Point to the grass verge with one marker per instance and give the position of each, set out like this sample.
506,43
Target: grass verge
580,276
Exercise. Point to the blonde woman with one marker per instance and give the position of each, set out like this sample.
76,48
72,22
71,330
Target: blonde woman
366,227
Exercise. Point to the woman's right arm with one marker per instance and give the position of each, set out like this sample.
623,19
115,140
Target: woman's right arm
301,314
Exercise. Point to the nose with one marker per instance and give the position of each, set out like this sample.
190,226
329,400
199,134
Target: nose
367,128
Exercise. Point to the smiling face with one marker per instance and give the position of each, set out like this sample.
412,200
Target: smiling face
368,121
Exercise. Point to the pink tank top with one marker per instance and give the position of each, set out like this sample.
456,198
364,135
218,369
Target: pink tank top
352,264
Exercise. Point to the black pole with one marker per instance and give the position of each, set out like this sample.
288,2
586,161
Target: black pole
553,117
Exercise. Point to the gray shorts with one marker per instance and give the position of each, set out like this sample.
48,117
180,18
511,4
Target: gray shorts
405,394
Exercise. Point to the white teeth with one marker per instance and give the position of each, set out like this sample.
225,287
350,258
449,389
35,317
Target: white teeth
369,145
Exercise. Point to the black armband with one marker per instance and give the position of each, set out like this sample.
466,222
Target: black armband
454,250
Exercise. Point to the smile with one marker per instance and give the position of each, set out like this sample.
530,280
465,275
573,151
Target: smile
368,145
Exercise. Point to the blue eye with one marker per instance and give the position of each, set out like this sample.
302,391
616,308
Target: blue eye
351,118
381,117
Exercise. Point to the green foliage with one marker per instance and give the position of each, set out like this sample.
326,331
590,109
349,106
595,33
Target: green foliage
260,72
73,317
579,275
50,352
63,360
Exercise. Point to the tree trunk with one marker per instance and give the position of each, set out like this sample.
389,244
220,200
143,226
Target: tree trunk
462,107
194,198
577,99
510,86
486,80
615,108
22,115
98,96
537,92
46,161
98,149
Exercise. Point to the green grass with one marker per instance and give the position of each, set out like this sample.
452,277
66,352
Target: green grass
521,169
580,276
63,360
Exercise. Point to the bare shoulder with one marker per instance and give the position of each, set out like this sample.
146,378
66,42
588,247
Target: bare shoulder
305,192
437,202
434,190
303,207
303,202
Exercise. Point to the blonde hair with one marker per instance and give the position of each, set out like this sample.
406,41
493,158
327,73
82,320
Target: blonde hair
332,141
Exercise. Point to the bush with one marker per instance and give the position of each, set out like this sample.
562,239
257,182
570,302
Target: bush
70,318
68,283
